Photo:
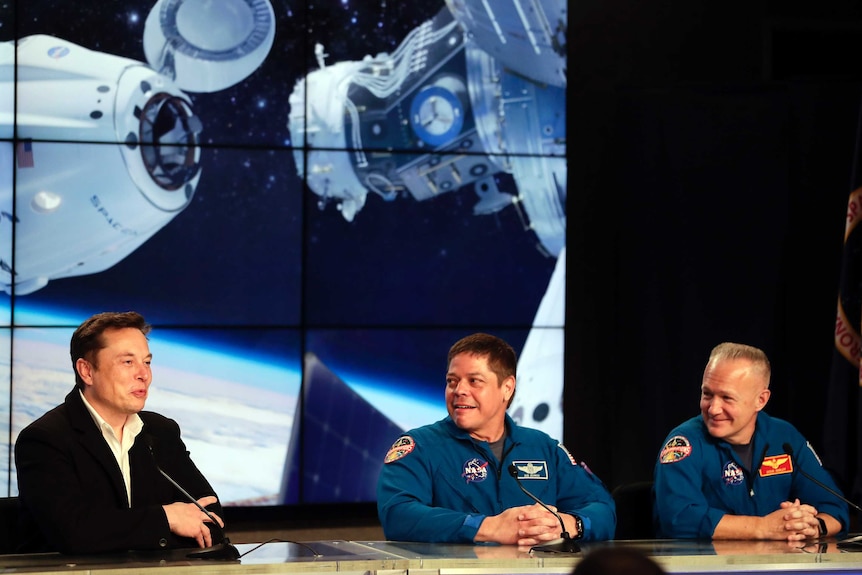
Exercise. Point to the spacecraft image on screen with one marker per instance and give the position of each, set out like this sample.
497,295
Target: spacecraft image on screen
309,201
445,97
116,197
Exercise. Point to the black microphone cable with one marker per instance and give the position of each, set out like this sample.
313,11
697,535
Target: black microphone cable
277,540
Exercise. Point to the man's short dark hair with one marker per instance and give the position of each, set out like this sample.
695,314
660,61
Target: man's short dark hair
502,359
87,339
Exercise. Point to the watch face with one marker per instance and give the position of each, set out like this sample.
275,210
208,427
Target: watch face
436,115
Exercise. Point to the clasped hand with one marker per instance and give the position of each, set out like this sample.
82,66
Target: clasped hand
797,520
186,520
524,526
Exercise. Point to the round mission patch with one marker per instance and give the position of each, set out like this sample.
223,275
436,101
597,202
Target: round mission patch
676,449
402,446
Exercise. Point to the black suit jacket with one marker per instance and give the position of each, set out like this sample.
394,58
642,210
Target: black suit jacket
71,490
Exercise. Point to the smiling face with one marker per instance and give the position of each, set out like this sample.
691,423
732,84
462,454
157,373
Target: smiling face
118,378
732,393
475,399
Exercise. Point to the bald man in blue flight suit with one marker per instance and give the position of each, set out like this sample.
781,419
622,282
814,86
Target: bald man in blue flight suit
450,481
734,472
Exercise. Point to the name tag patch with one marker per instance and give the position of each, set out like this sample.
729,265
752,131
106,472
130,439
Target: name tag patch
531,469
776,465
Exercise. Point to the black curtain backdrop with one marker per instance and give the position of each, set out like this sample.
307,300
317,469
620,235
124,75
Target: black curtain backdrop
710,161
841,434
700,214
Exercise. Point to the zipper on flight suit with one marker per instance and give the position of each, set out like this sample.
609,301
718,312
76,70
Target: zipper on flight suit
502,459
751,474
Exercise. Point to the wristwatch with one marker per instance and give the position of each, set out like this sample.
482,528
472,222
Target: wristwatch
823,531
579,526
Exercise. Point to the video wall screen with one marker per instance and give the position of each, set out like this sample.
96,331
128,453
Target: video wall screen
310,202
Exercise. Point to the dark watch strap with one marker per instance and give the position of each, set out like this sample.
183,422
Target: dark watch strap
579,526
823,530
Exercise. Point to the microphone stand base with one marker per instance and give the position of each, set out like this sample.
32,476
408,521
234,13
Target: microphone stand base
223,551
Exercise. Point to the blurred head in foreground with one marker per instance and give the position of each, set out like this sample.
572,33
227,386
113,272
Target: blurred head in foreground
617,561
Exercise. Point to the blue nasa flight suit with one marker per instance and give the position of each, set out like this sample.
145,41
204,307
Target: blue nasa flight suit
438,483
699,479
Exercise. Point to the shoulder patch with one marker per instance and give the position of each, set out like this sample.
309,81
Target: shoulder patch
814,453
568,453
676,449
402,446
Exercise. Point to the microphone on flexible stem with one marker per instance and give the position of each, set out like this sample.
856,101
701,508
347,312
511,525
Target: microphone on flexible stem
789,451
567,545
224,550
853,542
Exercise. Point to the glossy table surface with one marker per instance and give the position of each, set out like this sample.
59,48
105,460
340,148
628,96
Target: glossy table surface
393,558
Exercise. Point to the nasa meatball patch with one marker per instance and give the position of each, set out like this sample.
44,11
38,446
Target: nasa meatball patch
402,446
676,449
475,470
732,474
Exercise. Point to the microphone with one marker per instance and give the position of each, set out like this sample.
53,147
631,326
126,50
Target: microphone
224,550
853,542
567,545
789,451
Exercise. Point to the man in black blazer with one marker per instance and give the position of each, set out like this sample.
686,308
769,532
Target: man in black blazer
88,470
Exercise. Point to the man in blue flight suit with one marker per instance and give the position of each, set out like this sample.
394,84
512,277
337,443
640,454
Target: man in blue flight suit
450,481
734,472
